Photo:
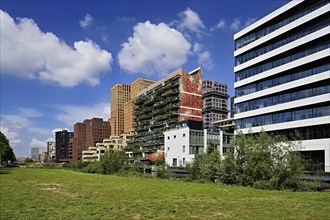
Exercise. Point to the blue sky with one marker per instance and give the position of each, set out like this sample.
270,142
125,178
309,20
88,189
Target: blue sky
59,59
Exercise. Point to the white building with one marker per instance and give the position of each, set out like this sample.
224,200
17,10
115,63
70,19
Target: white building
51,150
187,139
282,77
34,153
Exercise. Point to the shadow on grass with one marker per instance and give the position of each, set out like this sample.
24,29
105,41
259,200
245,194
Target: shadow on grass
4,171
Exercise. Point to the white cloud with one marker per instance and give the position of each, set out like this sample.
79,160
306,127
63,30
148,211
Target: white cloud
72,114
30,113
59,129
235,25
28,52
153,49
41,144
250,21
219,26
11,136
190,20
204,57
87,21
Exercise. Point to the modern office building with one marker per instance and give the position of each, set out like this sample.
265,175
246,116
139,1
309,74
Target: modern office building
51,151
119,95
137,85
62,143
215,102
87,134
177,97
282,77
34,153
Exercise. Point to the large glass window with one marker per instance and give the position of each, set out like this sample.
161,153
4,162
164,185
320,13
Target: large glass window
267,66
241,42
255,53
279,99
283,117
245,90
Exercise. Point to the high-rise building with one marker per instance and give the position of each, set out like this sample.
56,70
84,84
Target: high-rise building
51,151
87,134
34,153
120,94
282,77
62,143
136,86
177,97
215,102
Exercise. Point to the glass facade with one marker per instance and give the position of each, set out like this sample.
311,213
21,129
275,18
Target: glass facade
255,53
285,116
282,98
245,40
240,75
265,84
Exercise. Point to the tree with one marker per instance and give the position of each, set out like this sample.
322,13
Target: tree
6,152
113,161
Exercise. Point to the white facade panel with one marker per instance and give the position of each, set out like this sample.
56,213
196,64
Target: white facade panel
267,18
308,59
287,47
284,106
286,86
288,125
284,29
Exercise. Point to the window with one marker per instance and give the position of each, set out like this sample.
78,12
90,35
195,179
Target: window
184,161
174,136
183,135
168,148
183,149
168,137
175,162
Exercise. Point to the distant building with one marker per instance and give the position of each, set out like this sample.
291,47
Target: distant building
119,94
136,86
215,102
34,153
62,144
43,157
51,151
88,134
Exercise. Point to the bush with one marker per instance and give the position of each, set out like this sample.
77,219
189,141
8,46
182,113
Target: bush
93,168
113,161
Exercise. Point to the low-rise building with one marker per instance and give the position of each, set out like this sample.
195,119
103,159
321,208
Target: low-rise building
187,139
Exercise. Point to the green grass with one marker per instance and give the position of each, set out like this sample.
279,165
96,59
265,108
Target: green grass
61,194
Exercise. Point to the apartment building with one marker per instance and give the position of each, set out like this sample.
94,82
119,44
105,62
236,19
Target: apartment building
51,151
88,134
282,77
34,153
137,85
119,95
63,140
215,102
176,97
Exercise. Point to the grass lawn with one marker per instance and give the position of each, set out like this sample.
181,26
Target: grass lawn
28,193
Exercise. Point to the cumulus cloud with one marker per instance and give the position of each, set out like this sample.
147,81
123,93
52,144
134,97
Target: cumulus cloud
41,144
71,114
219,26
204,57
28,52
11,136
235,25
190,20
153,49
87,21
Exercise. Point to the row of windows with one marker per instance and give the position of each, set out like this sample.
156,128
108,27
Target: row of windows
239,43
267,66
174,136
195,149
244,90
283,117
283,98
255,53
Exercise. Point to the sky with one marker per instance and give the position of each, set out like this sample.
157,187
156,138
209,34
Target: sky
59,59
